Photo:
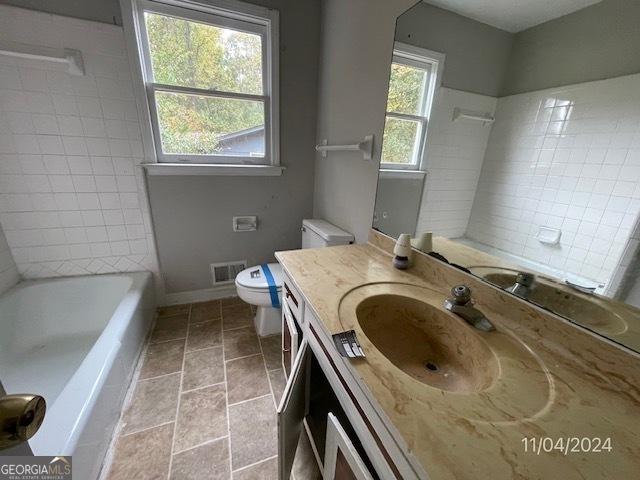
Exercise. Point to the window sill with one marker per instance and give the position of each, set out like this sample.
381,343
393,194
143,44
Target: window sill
197,169
404,174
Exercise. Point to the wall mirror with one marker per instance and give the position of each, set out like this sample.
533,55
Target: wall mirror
512,150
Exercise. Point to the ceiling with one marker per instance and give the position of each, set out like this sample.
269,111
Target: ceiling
512,15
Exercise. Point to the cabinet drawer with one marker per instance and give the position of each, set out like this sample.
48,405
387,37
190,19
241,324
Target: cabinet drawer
293,299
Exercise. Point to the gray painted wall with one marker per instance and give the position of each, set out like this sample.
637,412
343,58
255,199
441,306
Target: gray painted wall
192,215
399,200
476,53
106,11
598,42
357,44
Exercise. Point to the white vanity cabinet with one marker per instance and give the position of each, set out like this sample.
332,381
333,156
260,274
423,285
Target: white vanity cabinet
323,400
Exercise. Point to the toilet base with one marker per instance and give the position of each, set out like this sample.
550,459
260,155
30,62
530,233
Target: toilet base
268,321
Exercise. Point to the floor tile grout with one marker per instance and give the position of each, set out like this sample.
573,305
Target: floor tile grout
242,358
175,425
247,400
145,429
203,387
211,440
254,464
226,393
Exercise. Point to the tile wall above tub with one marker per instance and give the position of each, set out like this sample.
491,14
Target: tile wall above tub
72,198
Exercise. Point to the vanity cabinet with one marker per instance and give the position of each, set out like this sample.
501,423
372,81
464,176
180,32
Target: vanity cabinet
322,400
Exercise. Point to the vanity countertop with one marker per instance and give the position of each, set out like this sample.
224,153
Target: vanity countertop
592,390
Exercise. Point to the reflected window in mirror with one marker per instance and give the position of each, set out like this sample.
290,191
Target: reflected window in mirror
412,85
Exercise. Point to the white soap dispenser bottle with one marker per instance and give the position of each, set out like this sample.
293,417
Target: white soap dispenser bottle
402,252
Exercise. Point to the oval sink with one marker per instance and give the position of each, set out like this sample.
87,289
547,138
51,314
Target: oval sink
420,352
577,307
427,344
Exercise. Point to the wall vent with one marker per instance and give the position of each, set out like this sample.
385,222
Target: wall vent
226,272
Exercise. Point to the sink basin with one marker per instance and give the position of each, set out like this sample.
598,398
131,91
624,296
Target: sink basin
423,353
586,310
427,344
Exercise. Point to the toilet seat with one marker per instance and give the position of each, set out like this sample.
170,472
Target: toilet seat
254,279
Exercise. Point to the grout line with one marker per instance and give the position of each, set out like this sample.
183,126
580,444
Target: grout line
249,400
204,348
146,428
205,321
202,387
226,395
175,425
234,328
255,463
157,376
167,341
264,362
243,357
200,444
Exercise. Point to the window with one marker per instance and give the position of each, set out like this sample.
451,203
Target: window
211,82
414,74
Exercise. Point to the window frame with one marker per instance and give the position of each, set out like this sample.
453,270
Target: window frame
433,62
225,14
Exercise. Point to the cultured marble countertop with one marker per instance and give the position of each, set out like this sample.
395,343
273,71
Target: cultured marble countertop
591,387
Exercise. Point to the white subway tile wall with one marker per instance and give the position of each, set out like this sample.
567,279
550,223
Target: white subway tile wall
9,275
455,151
566,158
72,199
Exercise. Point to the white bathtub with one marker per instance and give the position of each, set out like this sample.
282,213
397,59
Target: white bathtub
75,341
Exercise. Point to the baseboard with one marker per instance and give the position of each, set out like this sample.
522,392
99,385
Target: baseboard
213,293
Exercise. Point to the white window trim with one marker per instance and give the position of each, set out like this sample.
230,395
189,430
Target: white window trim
232,10
411,54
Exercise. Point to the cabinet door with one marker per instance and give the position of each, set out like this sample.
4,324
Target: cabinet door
290,340
291,412
341,460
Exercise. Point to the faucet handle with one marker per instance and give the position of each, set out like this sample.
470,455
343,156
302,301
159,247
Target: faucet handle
461,294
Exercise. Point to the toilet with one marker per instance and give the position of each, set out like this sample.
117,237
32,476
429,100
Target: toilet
262,285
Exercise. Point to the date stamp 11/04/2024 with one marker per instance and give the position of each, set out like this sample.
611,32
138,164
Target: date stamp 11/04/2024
567,445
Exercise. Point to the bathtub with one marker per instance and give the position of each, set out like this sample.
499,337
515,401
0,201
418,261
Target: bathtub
75,341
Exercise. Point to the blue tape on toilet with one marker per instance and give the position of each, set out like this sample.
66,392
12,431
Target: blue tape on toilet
273,288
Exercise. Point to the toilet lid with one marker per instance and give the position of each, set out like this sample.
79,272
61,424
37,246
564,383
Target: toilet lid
254,277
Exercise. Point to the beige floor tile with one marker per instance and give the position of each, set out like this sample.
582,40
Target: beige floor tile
143,455
228,301
237,316
201,312
153,403
170,328
202,417
203,368
204,335
253,431
272,350
276,377
246,379
209,461
267,470
162,359
240,343
171,310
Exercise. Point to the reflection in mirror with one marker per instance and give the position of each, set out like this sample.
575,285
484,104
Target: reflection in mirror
513,151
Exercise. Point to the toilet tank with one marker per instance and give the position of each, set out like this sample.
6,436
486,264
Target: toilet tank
319,233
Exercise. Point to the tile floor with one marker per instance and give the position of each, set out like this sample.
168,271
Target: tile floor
203,405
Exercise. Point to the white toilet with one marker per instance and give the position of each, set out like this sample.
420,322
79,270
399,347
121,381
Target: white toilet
262,285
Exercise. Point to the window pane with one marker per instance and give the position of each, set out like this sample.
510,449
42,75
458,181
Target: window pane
198,125
192,54
406,89
399,141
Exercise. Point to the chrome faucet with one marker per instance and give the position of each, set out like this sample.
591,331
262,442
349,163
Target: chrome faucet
461,304
524,285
